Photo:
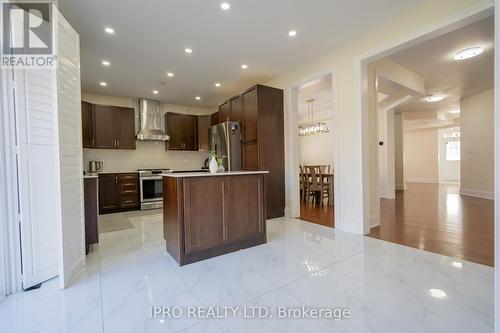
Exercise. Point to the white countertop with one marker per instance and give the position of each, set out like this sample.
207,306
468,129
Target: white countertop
208,174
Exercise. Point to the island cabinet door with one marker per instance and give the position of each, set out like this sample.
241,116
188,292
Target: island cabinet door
245,207
204,220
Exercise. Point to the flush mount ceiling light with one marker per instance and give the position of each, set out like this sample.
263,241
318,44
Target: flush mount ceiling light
105,63
312,127
155,92
188,50
103,84
467,53
109,30
434,98
292,33
457,264
217,84
225,6
437,293
244,66
455,111
170,74
197,98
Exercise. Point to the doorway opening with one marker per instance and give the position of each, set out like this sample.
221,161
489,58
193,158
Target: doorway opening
315,147
431,113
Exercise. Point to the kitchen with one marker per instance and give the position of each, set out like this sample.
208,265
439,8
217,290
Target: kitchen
128,144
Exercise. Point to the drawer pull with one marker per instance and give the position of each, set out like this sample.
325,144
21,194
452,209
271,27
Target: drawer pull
129,191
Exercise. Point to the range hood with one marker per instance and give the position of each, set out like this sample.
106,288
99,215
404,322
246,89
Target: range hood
149,111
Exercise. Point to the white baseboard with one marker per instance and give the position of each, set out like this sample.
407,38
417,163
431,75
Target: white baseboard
401,187
476,193
422,180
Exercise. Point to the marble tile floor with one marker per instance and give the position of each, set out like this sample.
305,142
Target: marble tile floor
387,287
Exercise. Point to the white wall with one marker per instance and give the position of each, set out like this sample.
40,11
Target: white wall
477,149
497,165
317,149
421,156
399,152
344,59
148,154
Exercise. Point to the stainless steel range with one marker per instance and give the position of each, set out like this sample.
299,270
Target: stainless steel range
151,188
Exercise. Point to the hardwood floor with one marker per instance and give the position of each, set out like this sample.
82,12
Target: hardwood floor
436,218
317,214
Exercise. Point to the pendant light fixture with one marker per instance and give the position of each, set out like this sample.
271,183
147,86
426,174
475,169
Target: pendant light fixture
312,127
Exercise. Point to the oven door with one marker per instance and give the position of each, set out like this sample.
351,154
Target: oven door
151,189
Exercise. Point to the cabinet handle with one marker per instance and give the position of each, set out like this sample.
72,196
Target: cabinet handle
116,179
118,143
92,142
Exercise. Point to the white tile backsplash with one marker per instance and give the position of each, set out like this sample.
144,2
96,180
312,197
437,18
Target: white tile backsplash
148,154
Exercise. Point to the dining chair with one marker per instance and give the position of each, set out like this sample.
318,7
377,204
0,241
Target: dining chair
324,185
312,182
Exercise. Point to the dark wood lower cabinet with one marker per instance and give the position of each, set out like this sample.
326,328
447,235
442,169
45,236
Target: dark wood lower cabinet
209,216
108,195
118,192
90,189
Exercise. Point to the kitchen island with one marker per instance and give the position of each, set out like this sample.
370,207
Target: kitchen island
206,215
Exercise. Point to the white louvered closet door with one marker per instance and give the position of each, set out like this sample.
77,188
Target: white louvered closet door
70,152
38,174
49,165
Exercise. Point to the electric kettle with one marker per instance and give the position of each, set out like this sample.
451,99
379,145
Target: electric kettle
95,166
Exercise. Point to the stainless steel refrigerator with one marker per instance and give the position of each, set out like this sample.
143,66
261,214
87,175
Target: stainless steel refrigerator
225,140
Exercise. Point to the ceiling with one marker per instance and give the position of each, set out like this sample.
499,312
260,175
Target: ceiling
321,91
433,60
150,38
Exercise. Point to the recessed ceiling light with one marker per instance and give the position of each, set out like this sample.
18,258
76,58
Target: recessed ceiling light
292,33
455,111
435,98
103,84
188,50
437,293
170,74
244,66
467,53
155,92
217,84
197,98
109,30
105,63
225,6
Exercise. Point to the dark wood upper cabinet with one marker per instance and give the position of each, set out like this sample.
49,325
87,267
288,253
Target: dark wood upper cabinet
190,132
236,109
183,131
203,133
224,112
88,132
125,128
104,117
214,118
174,130
250,117
108,127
